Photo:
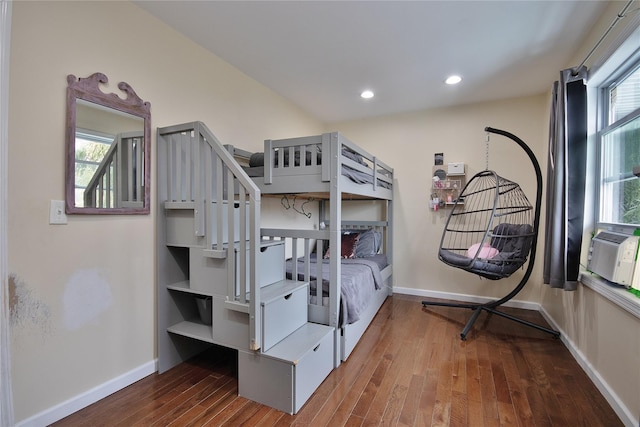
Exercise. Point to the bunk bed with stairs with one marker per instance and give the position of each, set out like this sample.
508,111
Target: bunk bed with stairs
222,280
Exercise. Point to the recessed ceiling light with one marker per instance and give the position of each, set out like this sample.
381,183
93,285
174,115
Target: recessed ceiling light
367,94
453,80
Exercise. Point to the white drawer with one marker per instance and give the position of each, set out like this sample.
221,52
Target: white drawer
312,369
287,375
210,274
283,314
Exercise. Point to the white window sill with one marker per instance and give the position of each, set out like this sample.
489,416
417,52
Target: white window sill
615,293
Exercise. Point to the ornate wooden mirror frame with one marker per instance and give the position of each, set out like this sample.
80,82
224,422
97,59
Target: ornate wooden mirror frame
108,156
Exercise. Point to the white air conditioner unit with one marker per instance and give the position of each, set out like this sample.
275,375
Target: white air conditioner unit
613,256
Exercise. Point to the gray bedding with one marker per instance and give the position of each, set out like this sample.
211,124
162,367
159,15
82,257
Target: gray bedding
360,177
360,278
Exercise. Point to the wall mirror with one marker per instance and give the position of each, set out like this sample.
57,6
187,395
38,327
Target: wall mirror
108,149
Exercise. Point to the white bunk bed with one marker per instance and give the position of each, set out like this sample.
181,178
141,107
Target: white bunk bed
212,250
307,166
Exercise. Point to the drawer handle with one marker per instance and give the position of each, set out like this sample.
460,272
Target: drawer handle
317,347
236,205
288,296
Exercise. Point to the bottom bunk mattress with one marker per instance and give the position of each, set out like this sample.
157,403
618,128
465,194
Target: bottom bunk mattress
360,279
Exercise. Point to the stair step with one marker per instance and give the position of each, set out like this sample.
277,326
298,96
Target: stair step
287,375
179,205
284,309
301,341
279,289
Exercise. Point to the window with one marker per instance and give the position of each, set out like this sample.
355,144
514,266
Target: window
91,148
619,145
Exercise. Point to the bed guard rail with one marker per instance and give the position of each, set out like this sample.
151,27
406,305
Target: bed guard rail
293,156
201,171
320,155
301,245
361,160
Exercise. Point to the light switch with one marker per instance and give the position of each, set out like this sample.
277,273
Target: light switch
56,212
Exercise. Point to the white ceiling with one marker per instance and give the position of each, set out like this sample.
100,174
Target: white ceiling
321,54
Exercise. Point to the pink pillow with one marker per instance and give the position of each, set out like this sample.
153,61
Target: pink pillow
486,251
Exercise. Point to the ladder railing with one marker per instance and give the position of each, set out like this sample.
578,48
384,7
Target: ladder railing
200,170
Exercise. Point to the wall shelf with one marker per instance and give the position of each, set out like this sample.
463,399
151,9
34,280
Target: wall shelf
446,187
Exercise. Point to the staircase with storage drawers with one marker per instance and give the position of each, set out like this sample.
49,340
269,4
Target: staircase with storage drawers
204,297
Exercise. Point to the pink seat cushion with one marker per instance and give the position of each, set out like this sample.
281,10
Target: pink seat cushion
486,251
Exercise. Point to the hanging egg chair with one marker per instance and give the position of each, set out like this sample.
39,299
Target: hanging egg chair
491,231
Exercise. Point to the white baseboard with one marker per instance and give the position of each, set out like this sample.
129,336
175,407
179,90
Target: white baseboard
83,400
526,305
609,394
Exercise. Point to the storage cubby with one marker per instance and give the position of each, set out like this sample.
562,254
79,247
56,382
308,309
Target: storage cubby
187,319
185,224
192,325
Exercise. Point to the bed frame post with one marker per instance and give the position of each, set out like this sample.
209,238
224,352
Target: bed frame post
335,221
388,248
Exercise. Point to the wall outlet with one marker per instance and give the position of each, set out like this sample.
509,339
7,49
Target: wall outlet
56,212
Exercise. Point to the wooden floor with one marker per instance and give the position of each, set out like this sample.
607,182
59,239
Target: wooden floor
409,369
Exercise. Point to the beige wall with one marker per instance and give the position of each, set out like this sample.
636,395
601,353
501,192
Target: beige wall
85,307
408,142
66,341
605,337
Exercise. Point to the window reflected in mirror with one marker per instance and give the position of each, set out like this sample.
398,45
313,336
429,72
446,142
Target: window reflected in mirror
108,158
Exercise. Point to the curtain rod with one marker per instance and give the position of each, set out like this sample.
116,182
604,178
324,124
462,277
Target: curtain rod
604,36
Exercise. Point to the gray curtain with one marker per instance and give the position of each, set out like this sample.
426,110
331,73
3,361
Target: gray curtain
566,173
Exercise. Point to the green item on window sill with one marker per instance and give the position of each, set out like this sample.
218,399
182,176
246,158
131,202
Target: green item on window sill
636,292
